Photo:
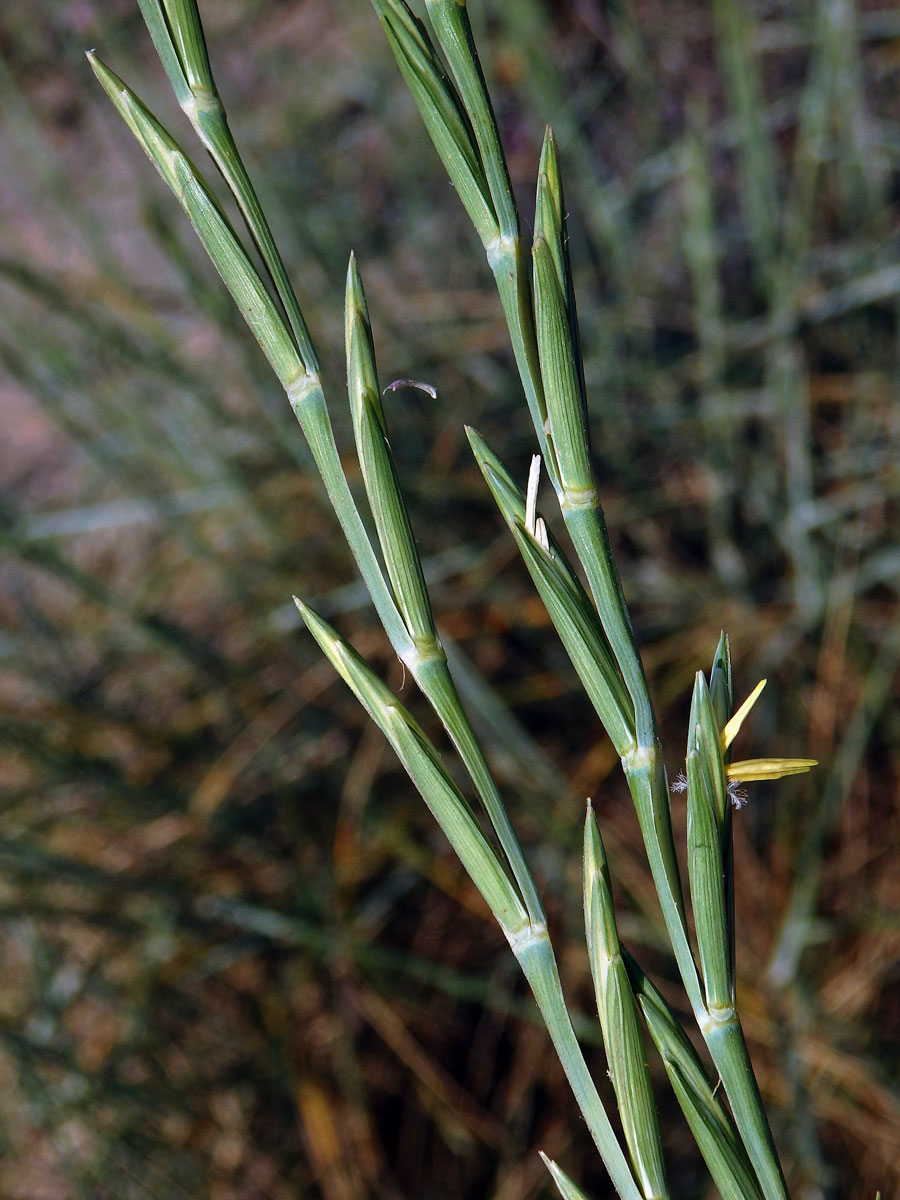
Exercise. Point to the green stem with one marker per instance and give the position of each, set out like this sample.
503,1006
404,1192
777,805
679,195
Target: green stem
726,1044
587,528
538,962
434,680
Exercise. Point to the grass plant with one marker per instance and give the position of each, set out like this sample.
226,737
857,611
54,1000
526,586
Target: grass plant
691,849
541,314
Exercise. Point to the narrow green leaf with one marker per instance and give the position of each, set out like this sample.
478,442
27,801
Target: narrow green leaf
424,767
379,474
567,604
618,1013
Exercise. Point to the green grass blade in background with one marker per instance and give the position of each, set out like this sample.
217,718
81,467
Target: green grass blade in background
759,190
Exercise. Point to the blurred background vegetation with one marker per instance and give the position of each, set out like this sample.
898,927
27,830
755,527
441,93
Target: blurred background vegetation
237,960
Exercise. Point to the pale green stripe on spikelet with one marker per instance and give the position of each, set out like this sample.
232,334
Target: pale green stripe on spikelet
567,604
551,221
560,376
707,798
388,509
618,1013
422,763
707,889
556,322
709,1120
721,683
